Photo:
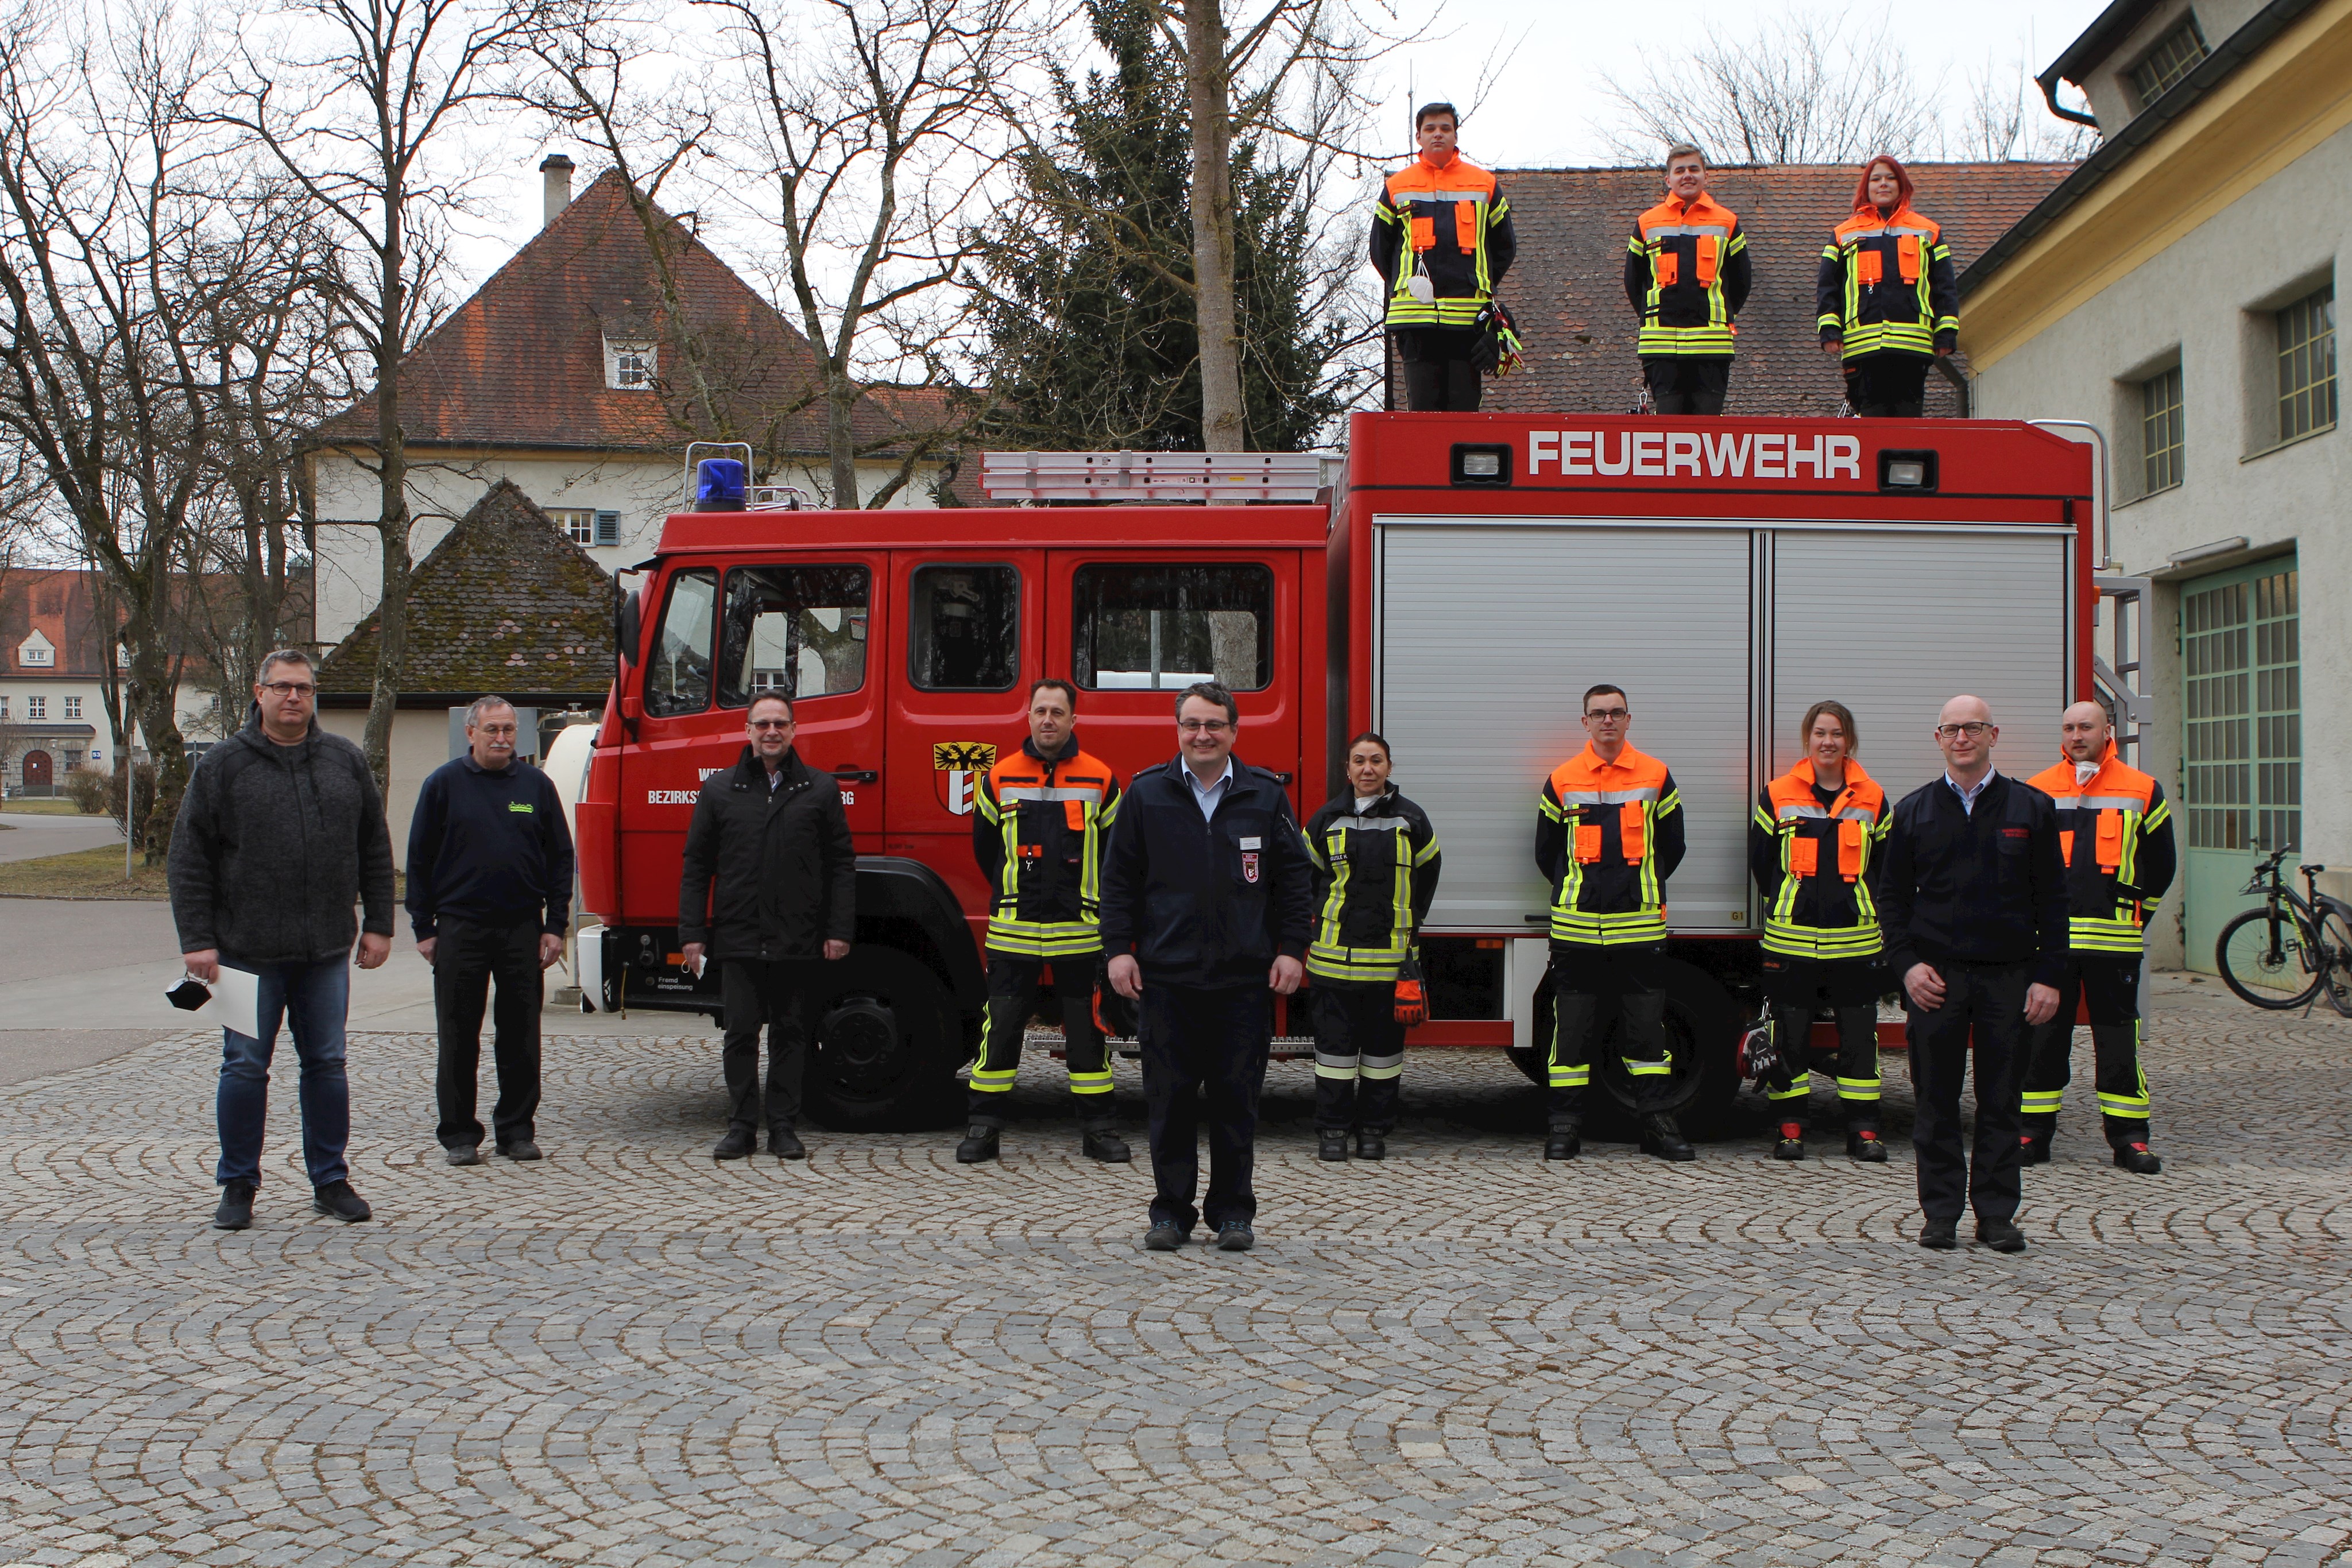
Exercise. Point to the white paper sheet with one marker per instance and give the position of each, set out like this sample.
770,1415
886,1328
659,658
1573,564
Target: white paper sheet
235,1003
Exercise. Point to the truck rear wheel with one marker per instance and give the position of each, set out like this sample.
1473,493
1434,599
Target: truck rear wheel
887,1046
1702,1030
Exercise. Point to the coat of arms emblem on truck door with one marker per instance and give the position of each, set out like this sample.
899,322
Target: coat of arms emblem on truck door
960,765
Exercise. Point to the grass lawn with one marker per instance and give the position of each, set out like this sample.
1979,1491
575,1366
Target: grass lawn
43,805
85,873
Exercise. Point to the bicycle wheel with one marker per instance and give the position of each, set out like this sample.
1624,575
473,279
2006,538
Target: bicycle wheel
2269,968
2335,937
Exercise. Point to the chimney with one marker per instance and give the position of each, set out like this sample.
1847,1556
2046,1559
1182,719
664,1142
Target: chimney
557,171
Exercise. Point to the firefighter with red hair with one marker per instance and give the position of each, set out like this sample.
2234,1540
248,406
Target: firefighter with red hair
1889,303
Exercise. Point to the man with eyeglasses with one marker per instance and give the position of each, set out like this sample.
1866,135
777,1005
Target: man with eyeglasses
489,895
280,832
769,884
1207,908
1973,903
1609,832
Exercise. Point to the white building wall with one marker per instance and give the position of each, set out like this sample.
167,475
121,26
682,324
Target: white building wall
2206,303
420,743
443,488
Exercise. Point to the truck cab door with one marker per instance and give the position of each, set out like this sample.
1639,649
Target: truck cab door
960,680
1131,628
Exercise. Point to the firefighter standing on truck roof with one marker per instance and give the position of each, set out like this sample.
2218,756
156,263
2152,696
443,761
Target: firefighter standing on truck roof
1442,240
1811,848
2115,829
1609,832
1686,274
1376,865
1038,822
1888,301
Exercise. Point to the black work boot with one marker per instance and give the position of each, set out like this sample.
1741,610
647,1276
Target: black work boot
1102,1143
1565,1141
735,1146
1661,1137
1791,1145
2135,1158
1864,1144
979,1144
2033,1148
1370,1145
1331,1144
235,1210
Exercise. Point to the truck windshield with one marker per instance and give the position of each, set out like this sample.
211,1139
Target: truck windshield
797,630
963,630
1166,626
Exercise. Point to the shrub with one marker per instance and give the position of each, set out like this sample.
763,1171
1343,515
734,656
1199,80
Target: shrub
88,787
114,791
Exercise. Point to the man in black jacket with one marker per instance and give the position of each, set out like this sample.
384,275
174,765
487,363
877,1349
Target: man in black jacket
489,894
771,832
1974,908
1207,905
280,832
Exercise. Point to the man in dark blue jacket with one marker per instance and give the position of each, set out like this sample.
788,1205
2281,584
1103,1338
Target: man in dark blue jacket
1973,903
1207,906
489,893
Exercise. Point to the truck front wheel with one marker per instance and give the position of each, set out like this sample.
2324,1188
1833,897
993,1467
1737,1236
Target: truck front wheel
1702,1033
886,1046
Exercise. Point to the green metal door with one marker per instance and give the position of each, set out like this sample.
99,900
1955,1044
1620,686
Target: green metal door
2242,746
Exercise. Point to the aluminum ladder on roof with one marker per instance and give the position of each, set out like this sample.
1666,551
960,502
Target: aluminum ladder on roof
1215,477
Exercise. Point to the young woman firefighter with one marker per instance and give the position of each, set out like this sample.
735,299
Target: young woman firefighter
1812,846
1376,864
1888,302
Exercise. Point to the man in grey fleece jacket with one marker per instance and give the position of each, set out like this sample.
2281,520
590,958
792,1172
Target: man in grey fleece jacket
280,832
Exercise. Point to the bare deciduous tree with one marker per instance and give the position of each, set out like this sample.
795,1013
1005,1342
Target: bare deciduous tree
2004,121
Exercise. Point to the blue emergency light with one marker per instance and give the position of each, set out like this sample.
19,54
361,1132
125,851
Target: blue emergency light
720,485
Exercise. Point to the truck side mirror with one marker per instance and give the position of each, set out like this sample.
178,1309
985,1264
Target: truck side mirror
628,628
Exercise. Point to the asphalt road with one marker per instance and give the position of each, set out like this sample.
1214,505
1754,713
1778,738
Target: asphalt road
26,836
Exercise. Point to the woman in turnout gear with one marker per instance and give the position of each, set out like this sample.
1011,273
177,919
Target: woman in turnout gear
2115,834
1441,241
1812,848
1888,300
1376,864
1039,821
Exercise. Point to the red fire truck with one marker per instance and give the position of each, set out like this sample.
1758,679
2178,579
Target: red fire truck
1455,583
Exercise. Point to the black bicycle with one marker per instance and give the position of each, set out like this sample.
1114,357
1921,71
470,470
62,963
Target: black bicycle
2291,950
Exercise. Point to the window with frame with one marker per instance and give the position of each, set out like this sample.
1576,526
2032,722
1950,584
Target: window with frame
2306,364
963,630
2164,430
630,364
73,707
799,630
677,675
578,525
2241,656
2175,55
36,708
4,708
1147,627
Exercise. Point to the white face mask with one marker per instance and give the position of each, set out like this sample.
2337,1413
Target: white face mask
2082,771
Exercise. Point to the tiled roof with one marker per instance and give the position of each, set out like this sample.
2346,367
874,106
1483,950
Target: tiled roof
522,363
505,603
1567,289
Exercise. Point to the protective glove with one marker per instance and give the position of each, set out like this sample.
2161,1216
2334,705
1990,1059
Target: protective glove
1411,997
1760,1049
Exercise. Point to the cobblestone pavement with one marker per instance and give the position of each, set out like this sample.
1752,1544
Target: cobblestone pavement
628,1355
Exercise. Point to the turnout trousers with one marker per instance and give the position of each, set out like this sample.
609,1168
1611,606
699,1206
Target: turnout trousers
1888,385
1798,988
1359,1055
2109,984
1433,364
1012,995
1683,384
1983,1004
1587,983
1203,1052
774,995
469,960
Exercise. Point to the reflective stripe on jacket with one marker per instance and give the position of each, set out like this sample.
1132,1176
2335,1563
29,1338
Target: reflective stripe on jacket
1686,275
1375,872
2114,830
1450,226
1037,827
1887,284
1817,866
1608,835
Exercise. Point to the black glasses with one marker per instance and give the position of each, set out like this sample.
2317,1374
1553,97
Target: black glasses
1974,730
288,688
1609,715
1202,725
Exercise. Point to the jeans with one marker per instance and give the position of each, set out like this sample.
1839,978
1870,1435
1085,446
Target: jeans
1204,1045
467,959
313,999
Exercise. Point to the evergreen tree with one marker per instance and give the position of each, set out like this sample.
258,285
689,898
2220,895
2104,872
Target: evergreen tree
1084,286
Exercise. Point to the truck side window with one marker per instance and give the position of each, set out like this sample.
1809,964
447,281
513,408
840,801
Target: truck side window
798,630
1154,626
677,676
964,628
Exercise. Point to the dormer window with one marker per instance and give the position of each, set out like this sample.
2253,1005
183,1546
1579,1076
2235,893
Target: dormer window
2175,55
36,653
628,364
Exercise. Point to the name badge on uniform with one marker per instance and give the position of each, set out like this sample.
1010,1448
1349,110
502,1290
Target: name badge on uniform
1249,843
1249,862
